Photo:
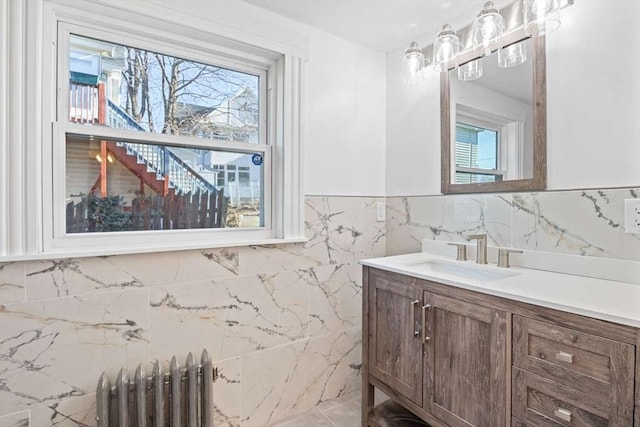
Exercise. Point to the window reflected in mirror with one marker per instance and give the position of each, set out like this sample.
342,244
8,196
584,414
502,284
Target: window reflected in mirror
476,154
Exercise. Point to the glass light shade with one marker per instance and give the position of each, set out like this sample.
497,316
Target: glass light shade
540,16
512,55
487,27
472,70
445,49
414,64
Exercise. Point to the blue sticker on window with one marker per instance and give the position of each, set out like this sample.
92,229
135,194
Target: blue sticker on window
257,159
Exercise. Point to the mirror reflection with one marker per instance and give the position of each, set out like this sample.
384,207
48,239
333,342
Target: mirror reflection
492,136
494,127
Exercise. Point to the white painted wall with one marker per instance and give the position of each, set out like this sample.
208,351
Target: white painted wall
345,128
593,87
593,106
345,99
413,132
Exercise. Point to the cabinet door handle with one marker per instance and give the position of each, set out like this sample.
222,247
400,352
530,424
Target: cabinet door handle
563,414
413,317
565,357
425,309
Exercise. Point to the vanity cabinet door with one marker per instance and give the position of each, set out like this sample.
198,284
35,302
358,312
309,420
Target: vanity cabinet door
395,348
465,362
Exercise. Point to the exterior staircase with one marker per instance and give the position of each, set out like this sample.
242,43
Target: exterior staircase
153,162
156,165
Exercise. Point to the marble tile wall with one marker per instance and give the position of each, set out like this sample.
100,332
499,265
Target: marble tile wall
589,222
282,322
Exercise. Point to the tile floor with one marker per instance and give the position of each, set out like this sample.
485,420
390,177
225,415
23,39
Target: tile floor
341,412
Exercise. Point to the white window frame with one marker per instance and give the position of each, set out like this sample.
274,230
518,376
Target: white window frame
510,129
40,216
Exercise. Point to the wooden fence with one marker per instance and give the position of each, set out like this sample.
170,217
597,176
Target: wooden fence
171,212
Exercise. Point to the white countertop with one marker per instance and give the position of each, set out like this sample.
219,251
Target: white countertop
614,301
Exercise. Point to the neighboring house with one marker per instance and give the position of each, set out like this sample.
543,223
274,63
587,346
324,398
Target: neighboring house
234,119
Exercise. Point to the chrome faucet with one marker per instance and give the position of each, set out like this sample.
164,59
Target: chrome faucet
481,247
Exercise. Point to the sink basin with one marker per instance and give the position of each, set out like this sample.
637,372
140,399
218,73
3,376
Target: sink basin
462,269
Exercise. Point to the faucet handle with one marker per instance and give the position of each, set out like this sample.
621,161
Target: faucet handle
461,255
503,256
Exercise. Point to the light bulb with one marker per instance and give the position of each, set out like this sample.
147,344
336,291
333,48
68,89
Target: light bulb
414,63
472,70
512,55
445,49
541,7
487,28
540,16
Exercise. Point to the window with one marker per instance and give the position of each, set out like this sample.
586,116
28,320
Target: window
476,154
487,146
124,185
154,135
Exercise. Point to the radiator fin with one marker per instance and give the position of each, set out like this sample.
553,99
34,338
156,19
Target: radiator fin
182,397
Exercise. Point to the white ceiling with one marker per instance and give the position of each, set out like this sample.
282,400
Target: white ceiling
382,25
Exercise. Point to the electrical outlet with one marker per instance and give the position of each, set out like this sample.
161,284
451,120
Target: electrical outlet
380,211
632,216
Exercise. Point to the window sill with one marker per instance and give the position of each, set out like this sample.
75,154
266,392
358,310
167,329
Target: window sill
145,249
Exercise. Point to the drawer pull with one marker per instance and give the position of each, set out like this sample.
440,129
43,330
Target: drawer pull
563,414
425,309
565,357
413,317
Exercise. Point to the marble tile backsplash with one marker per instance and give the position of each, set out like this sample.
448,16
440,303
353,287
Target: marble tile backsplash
282,322
585,222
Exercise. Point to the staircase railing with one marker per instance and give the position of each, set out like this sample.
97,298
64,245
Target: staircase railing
84,101
158,158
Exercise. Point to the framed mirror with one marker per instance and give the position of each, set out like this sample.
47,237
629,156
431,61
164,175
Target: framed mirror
494,128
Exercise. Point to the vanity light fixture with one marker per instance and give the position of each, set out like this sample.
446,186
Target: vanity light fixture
487,28
490,31
540,16
445,49
472,70
414,63
512,55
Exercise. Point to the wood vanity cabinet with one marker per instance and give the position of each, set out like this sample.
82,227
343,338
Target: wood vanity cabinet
464,362
395,353
460,358
445,357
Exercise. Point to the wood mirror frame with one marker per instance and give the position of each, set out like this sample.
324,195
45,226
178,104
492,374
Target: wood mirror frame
539,180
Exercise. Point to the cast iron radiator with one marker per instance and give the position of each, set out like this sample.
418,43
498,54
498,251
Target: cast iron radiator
180,397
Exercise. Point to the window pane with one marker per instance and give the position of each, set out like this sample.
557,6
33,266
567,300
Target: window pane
476,147
128,88
127,186
469,178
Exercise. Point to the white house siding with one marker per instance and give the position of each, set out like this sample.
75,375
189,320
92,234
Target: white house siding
83,170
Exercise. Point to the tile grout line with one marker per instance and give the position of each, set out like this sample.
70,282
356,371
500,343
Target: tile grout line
327,417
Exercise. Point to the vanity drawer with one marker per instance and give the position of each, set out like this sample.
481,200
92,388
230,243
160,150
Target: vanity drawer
539,401
596,366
